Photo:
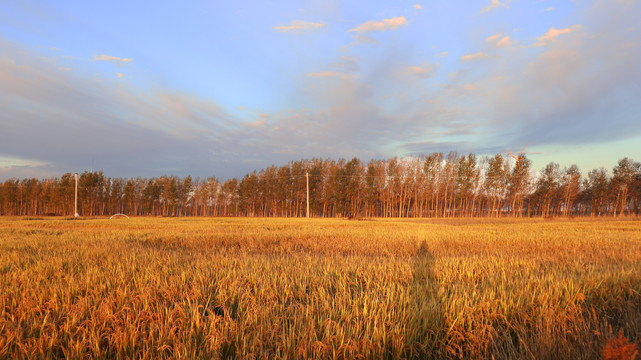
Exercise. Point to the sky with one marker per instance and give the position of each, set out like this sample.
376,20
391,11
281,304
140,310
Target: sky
222,88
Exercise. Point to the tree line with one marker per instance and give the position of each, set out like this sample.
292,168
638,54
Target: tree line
434,185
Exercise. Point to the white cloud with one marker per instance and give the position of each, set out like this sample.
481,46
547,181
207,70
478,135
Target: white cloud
475,56
418,7
112,59
554,33
498,40
384,25
493,38
120,75
333,75
505,41
299,25
323,74
64,68
261,121
493,5
425,71
550,9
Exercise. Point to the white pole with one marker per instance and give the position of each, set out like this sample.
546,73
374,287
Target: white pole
307,176
75,209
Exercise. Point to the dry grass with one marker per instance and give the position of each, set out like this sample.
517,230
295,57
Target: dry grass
318,288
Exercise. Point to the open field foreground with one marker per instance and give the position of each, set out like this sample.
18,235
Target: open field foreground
319,288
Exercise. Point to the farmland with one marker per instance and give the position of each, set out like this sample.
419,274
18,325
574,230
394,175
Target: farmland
318,288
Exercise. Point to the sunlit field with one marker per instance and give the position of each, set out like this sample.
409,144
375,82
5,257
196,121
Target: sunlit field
319,288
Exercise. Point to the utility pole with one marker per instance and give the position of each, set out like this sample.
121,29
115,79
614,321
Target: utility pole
307,177
75,209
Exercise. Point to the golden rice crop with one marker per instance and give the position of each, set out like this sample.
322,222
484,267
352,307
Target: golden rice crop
317,288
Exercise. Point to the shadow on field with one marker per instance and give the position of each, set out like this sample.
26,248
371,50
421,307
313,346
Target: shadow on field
425,332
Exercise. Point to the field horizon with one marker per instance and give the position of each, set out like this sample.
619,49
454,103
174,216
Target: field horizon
221,287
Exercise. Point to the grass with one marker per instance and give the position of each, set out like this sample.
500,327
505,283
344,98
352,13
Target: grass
318,288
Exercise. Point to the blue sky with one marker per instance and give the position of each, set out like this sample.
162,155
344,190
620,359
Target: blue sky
223,88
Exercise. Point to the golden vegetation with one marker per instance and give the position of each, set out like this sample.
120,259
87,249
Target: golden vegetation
319,288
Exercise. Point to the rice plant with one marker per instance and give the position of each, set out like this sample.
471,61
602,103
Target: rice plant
318,288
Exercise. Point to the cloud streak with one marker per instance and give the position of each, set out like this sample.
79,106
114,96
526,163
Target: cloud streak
424,72
299,26
553,34
384,25
323,74
494,4
112,59
498,40
475,56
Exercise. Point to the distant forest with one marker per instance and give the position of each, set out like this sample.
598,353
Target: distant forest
434,185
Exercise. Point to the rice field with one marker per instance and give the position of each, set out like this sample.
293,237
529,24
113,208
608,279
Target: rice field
319,288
